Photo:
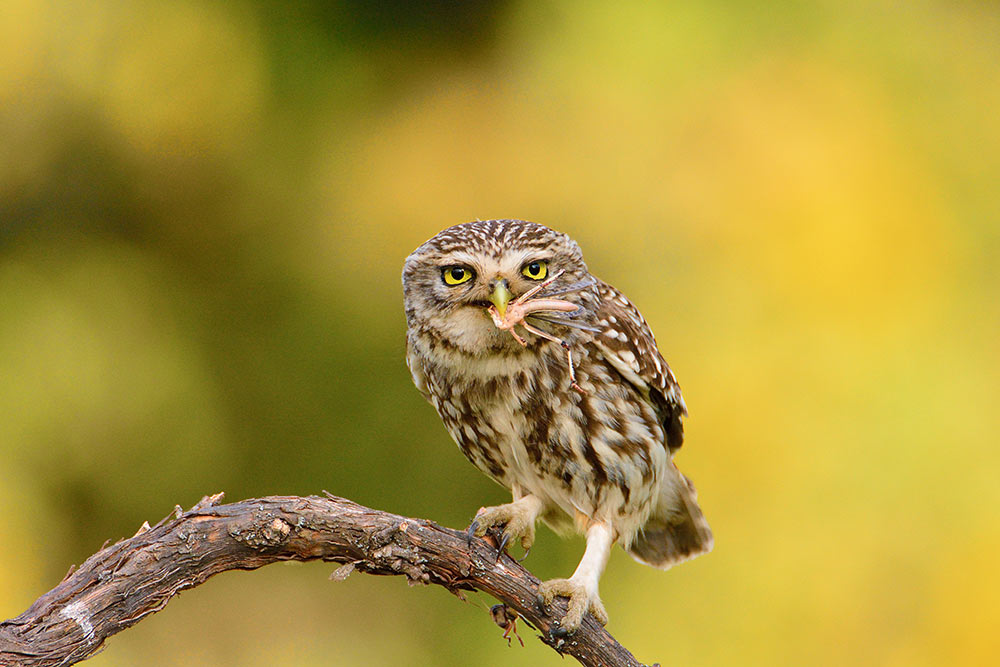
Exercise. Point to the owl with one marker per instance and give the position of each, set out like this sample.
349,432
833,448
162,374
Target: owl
578,415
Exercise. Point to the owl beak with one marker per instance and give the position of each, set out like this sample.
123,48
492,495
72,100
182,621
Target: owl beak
501,296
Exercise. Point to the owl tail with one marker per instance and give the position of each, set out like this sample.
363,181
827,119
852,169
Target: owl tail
676,531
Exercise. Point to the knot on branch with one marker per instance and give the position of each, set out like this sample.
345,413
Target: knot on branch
393,552
264,531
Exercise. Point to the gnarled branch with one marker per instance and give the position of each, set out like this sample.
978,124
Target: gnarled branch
122,583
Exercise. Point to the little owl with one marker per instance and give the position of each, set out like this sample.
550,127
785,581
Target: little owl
579,415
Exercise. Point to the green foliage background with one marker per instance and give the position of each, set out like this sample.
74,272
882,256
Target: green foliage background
204,209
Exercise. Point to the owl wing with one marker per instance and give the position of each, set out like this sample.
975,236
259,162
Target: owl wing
629,346
676,530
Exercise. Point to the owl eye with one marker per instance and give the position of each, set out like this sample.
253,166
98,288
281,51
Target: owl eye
536,270
456,275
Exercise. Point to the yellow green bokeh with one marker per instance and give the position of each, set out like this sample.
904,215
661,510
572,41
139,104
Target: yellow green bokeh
204,209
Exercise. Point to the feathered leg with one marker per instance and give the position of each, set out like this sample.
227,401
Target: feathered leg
581,588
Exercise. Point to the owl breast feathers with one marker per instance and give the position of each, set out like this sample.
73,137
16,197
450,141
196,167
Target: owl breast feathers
597,456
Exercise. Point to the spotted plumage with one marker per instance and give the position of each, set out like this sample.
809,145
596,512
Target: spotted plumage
596,455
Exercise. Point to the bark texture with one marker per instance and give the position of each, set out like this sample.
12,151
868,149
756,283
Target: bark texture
122,583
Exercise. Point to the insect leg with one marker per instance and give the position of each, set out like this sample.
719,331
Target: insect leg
572,371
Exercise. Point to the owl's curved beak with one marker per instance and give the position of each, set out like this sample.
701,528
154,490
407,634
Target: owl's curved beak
501,296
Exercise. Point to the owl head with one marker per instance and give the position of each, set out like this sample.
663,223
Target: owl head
450,281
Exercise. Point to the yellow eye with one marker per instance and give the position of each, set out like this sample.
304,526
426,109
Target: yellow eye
536,270
456,275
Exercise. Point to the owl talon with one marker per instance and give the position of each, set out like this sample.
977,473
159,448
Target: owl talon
517,520
504,538
471,532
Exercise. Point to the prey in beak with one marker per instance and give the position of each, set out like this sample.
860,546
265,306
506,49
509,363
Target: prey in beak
508,314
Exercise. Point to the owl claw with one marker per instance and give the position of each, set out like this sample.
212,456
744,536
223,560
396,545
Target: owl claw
475,530
580,599
516,518
504,538
471,532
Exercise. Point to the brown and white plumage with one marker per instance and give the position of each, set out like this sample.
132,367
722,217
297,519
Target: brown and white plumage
598,458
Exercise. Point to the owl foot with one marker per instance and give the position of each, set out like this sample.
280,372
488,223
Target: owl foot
581,588
518,521
581,600
516,518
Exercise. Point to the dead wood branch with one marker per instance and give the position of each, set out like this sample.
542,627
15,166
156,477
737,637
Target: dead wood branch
122,583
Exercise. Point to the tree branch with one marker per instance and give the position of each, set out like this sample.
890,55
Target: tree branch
123,583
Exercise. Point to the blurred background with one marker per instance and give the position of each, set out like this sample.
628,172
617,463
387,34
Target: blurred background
204,211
